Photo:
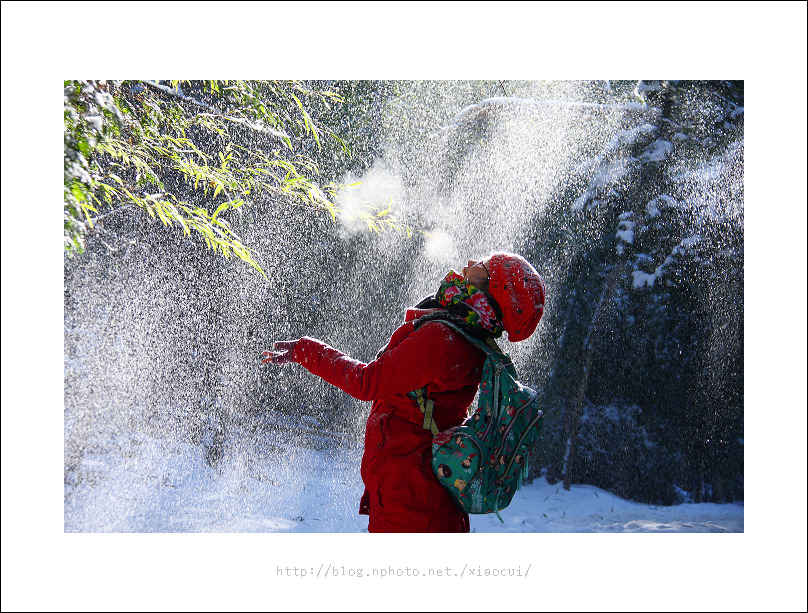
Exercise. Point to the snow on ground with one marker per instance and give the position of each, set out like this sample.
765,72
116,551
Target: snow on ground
143,484
541,507
150,485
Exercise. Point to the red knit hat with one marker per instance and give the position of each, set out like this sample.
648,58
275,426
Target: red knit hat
519,291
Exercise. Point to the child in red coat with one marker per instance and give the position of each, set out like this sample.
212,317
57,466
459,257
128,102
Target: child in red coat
402,494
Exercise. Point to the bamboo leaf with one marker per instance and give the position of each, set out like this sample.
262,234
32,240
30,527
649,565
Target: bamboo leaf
221,208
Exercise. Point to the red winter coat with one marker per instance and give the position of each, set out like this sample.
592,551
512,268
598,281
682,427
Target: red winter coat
402,493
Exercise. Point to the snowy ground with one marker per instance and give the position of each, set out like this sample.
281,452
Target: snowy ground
142,484
148,485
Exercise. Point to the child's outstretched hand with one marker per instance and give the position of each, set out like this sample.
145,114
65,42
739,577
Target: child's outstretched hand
282,354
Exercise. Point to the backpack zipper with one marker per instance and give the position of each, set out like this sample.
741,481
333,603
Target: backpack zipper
495,416
516,415
505,434
519,443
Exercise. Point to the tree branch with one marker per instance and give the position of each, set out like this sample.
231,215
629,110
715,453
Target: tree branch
178,94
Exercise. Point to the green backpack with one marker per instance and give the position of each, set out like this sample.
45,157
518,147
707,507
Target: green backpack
483,461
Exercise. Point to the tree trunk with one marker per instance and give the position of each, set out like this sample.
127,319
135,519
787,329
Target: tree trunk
572,412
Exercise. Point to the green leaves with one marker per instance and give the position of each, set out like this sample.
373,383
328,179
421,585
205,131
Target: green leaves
213,142
380,219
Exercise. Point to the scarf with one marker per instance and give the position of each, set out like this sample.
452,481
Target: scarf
465,305
471,304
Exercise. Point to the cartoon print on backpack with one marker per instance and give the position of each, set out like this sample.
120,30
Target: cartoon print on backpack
466,463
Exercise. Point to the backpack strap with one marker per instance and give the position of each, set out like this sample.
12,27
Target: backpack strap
501,360
489,345
493,344
426,405
420,395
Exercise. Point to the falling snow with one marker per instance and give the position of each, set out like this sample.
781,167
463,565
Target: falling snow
164,430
